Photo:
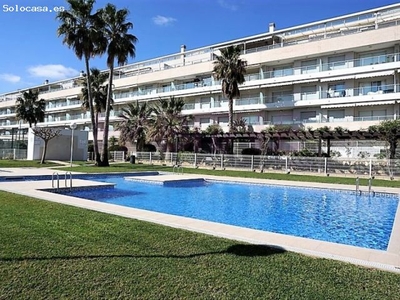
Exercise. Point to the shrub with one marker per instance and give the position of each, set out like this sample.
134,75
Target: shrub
118,148
251,151
149,148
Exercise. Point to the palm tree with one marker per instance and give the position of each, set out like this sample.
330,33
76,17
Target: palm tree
134,124
120,46
167,122
99,95
80,30
29,108
230,69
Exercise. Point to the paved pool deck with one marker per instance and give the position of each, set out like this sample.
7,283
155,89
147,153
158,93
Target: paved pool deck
386,260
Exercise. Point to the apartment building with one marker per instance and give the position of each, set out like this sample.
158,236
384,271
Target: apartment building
342,72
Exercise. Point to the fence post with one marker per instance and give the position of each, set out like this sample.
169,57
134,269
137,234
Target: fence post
14,153
195,159
326,166
222,161
370,168
252,162
286,164
150,158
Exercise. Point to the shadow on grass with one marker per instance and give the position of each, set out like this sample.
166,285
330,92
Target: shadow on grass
239,250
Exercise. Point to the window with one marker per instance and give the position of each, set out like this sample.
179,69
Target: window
282,96
309,66
367,88
205,102
223,120
282,71
336,62
188,105
204,122
335,114
308,115
284,118
252,120
336,90
309,92
367,59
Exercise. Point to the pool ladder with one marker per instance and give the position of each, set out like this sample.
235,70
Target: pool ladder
178,169
57,177
370,191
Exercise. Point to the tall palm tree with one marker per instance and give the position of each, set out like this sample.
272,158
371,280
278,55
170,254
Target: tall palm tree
230,69
80,30
134,124
99,94
120,46
167,122
29,108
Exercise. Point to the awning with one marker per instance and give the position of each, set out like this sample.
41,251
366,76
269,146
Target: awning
375,103
277,84
374,74
289,83
342,105
339,105
338,78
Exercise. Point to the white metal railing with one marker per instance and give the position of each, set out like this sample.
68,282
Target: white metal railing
353,167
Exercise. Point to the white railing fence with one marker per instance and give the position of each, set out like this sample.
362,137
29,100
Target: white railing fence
383,168
13,153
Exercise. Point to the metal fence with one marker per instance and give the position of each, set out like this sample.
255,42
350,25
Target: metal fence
13,153
382,168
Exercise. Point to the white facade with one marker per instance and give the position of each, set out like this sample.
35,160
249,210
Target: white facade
59,148
337,72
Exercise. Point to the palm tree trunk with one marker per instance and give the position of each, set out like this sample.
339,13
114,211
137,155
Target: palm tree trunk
92,114
104,160
230,115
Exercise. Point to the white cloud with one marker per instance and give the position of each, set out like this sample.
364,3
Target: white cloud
52,71
10,78
225,4
163,21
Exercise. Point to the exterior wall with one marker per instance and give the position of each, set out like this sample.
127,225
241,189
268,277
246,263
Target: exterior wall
59,148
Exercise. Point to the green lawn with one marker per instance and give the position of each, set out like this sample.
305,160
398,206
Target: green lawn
53,251
9,163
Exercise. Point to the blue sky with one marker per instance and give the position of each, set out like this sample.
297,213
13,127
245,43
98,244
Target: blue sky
32,52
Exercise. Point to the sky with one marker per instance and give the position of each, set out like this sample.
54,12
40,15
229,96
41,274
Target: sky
32,52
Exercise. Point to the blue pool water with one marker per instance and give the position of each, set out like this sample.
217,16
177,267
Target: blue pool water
327,215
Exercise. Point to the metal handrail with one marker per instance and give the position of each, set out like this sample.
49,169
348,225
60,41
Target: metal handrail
58,180
358,192
70,179
177,168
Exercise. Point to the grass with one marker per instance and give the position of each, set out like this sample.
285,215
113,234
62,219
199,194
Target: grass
54,251
9,163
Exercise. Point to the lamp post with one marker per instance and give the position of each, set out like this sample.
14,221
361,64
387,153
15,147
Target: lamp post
73,127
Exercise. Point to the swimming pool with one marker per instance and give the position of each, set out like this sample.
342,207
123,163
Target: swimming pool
327,215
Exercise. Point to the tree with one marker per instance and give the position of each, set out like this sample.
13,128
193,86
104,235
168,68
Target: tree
133,127
214,130
29,108
167,122
80,30
46,134
120,46
230,69
99,96
389,131
240,125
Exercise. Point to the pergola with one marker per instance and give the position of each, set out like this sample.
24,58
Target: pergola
302,135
